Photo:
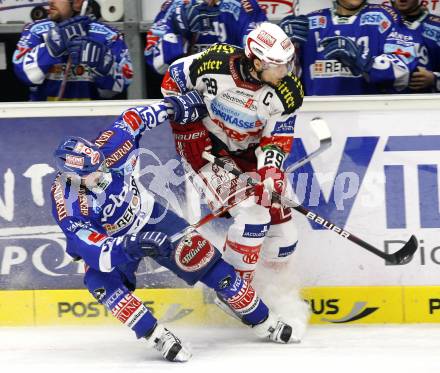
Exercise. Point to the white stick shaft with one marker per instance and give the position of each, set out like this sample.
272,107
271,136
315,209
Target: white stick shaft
321,130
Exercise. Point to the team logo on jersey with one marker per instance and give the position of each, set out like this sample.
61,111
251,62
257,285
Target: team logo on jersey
255,230
234,7
41,28
431,32
178,75
266,38
99,28
99,294
287,127
376,19
193,253
316,22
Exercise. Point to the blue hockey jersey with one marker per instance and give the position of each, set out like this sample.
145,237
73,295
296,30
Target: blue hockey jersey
92,219
235,20
426,33
375,28
35,67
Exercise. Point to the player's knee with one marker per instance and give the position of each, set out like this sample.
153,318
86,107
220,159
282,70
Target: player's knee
280,243
248,212
103,285
192,258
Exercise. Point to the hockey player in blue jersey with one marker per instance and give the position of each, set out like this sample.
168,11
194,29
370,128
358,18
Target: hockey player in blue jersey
100,62
353,48
190,26
112,227
425,28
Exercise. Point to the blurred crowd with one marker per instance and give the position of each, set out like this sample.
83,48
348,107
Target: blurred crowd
351,47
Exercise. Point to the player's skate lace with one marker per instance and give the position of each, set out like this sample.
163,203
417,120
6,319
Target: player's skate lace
168,345
277,330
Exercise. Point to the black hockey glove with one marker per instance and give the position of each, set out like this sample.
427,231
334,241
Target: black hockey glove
152,244
347,52
94,54
296,28
59,36
188,108
194,17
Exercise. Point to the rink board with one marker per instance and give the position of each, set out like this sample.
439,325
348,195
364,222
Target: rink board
328,305
388,148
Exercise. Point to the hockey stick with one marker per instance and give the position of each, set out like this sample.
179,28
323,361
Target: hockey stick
400,256
321,130
84,6
206,219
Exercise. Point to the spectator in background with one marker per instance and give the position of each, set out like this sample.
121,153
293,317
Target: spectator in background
99,67
425,28
185,27
352,48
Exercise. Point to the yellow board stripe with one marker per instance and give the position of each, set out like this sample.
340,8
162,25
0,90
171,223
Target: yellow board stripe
329,305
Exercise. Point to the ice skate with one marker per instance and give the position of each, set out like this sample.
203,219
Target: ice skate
168,345
276,330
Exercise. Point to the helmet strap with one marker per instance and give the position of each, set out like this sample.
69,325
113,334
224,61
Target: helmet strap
351,9
415,10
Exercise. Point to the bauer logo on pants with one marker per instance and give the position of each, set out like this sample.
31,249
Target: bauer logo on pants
193,253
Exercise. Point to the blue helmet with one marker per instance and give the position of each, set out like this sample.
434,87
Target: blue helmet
79,156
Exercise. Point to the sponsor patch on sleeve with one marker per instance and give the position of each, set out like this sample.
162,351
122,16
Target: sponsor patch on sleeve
286,127
316,22
178,75
376,19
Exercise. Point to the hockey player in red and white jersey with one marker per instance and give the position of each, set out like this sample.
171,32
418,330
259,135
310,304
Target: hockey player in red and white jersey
252,96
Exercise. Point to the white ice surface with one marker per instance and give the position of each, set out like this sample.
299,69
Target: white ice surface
347,348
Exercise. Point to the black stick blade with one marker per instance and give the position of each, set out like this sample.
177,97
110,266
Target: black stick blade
405,253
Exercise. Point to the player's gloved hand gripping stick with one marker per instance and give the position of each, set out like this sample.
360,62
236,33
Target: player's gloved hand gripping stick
69,61
399,257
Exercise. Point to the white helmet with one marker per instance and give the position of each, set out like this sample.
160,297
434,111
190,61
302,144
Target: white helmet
269,43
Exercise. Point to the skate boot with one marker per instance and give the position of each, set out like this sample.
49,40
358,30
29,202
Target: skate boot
168,344
277,330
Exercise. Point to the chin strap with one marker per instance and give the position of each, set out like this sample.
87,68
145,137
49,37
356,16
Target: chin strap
337,3
416,7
